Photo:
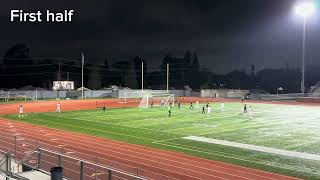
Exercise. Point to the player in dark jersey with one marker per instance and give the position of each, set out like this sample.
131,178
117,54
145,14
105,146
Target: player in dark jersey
245,109
191,106
203,110
104,108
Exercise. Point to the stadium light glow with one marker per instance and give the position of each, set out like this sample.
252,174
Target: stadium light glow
305,9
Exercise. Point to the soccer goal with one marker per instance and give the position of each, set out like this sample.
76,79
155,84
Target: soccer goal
127,95
156,99
6,97
315,90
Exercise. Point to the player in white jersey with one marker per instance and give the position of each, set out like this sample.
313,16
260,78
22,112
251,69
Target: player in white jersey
197,104
209,110
250,112
20,111
222,107
58,110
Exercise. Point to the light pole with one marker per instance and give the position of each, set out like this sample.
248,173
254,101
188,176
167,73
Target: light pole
167,77
82,64
305,10
142,74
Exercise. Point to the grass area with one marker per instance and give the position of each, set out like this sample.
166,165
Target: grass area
287,127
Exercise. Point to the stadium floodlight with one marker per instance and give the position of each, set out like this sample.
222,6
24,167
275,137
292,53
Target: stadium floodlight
304,9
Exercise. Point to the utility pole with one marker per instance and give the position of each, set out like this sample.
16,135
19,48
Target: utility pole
59,71
167,77
142,75
303,56
82,75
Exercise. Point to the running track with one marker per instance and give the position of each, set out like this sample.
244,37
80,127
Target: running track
147,162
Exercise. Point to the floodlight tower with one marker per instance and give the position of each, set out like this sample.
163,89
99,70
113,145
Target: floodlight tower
304,9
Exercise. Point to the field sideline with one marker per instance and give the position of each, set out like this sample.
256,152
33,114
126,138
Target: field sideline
286,127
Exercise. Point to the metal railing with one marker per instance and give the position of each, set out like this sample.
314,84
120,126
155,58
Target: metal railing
42,156
5,164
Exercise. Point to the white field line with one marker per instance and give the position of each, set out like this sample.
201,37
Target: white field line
240,158
301,144
164,131
294,154
219,154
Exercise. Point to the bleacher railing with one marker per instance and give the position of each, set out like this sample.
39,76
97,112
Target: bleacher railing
36,155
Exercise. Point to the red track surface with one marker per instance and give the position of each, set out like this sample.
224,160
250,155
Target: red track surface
147,162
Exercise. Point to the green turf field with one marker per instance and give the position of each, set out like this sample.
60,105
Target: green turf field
285,127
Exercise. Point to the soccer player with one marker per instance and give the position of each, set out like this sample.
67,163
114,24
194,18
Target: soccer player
209,110
203,110
207,105
250,112
58,109
197,104
179,104
222,107
178,99
245,109
104,108
242,99
162,102
169,110
151,104
191,106
20,111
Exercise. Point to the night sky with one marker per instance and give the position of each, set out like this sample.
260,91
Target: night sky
226,34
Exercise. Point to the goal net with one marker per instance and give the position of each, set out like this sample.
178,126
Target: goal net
156,99
127,95
315,90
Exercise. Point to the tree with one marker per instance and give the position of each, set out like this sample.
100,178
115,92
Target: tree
168,59
130,79
106,63
16,61
195,64
94,77
188,57
18,54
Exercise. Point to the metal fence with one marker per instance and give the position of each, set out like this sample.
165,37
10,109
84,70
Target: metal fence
5,162
46,94
279,97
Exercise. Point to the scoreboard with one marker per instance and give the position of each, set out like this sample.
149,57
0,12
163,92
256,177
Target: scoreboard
63,85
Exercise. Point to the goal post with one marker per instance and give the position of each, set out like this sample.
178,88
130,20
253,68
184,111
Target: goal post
14,97
152,99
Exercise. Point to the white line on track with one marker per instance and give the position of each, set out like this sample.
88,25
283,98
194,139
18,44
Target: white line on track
217,154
